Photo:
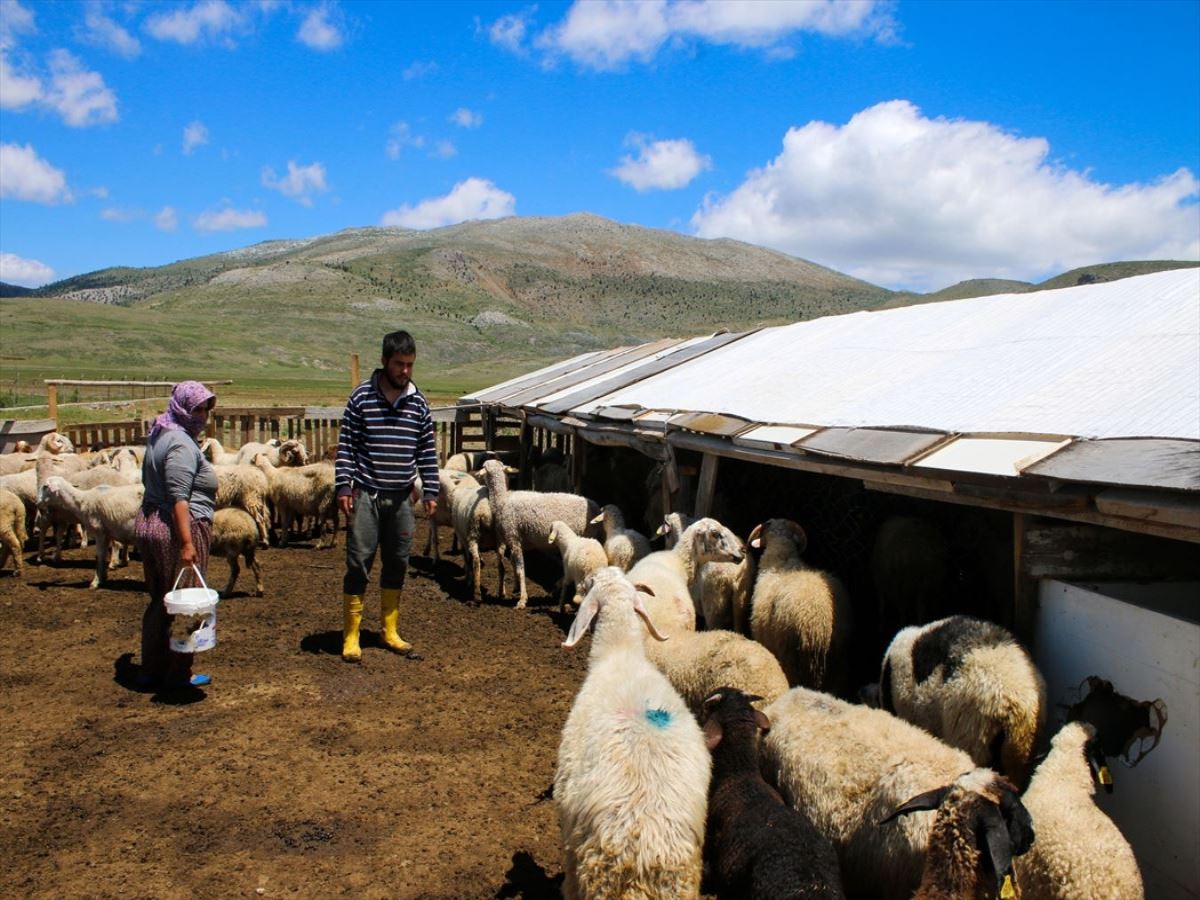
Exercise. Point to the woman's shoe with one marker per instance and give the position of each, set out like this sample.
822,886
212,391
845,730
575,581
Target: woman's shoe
200,680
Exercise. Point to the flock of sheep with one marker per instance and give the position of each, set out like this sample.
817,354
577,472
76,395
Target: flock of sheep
732,747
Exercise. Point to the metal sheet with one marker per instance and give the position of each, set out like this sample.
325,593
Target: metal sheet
873,445
598,385
773,437
591,370
506,388
987,456
1148,462
709,423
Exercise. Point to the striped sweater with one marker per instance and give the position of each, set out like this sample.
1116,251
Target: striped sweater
382,447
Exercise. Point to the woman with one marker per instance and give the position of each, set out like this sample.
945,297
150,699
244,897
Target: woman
174,526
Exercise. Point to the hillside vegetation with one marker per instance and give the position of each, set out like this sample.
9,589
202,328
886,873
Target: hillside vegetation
486,300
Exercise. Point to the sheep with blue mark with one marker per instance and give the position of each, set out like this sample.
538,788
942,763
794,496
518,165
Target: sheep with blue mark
631,785
973,685
757,847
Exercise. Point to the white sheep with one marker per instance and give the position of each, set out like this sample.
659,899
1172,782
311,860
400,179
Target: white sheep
669,573
13,534
51,444
581,556
447,480
631,785
107,513
971,684
215,453
699,663
623,546
234,534
673,525
301,491
721,587
800,614
280,453
847,767
24,485
522,520
247,488
471,515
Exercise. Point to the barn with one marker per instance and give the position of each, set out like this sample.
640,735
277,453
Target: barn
1050,441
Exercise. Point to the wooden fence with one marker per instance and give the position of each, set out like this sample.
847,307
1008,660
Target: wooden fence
106,434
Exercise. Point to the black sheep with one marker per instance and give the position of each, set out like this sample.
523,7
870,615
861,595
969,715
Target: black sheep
757,846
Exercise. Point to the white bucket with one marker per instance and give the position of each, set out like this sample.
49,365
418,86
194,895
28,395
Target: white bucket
195,629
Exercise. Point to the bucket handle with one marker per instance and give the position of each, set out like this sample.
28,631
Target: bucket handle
198,576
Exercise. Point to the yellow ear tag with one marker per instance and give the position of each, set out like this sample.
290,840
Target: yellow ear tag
1105,775
1008,891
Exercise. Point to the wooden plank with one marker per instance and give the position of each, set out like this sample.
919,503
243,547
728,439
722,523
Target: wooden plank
1129,462
1150,506
708,484
1091,553
52,402
1025,586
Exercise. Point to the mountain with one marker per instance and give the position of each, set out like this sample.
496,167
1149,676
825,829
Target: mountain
14,290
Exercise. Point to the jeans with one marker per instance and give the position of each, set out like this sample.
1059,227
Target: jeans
380,521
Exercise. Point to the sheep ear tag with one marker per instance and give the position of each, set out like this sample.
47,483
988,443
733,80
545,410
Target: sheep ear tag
1007,891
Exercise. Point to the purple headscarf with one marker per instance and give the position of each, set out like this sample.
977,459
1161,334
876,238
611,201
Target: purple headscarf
180,416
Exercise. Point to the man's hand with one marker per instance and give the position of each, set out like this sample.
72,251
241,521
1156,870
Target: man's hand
346,504
430,508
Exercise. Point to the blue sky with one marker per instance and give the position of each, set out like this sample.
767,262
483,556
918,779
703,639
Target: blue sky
910,143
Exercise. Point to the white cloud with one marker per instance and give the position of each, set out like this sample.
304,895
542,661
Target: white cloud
195,134
475,198
907,201
26,176
510,31
14,19
466,118
116,214
607,34
322,29
25,272
443,150
401,136
17,88
206,20
166,219
101,31
80,97
420,69
228,219
299,183
660,165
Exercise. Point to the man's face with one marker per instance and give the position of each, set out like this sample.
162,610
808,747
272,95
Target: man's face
397,369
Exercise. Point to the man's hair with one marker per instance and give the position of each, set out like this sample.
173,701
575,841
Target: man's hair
398,342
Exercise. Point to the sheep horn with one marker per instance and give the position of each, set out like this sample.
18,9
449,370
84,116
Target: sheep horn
597,520
926,801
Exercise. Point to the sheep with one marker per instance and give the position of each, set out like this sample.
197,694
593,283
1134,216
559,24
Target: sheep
215,453
847,767
123,469
581,556
280,454
631,783
911,571
51,444
235,533
247,488
622,546
756,846
721,588
522,519
300,491
108,514
697,663
447,480
971,684
24,485
673,525
552,474
800,614
473,460
980,827
13,534
21,447
471,515
1079,852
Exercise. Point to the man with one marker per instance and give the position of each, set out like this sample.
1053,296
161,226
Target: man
386,439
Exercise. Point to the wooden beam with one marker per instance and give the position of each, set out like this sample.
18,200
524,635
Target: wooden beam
52,403
1090,553
1025,586
1148,506
707,486
354,377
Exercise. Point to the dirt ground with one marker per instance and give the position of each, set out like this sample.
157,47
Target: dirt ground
293,773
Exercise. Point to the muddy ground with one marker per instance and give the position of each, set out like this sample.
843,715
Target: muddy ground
293,773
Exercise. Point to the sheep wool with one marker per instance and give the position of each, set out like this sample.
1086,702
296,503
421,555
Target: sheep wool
971,684
234,534
12,529
631,785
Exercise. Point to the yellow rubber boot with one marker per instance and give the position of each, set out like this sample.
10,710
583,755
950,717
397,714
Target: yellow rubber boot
352,607
389,609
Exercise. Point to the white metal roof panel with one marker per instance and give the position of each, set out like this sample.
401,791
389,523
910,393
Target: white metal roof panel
1118,359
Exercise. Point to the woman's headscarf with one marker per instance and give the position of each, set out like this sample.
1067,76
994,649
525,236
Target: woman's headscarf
186,397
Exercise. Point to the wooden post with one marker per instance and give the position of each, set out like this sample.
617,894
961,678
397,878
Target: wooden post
1025,587
523,459
707,486
52,402
354,379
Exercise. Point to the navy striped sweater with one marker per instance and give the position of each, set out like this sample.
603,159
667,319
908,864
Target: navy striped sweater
382,447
